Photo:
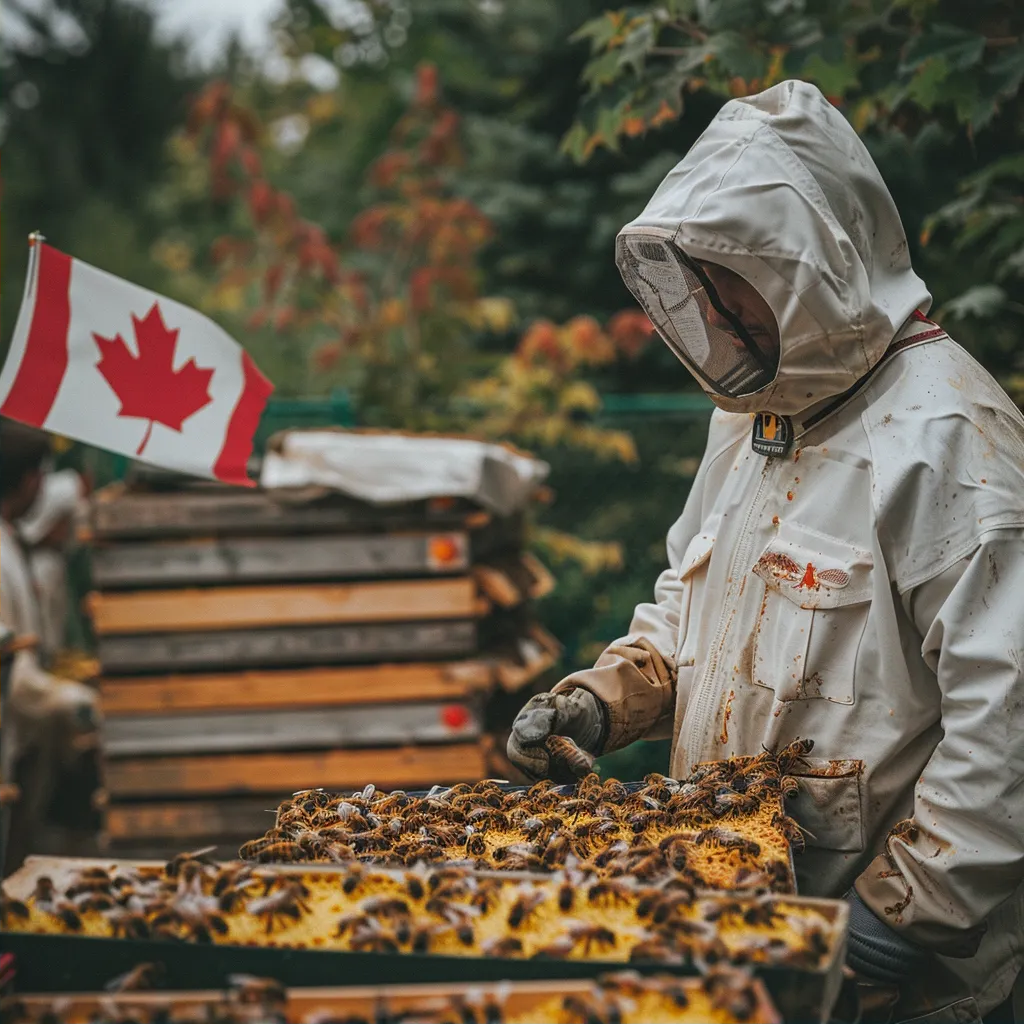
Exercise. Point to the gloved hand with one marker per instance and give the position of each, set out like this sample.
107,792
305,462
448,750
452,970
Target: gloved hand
575,713
877,952
879,961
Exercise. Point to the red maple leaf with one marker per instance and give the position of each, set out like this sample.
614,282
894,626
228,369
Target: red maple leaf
147,384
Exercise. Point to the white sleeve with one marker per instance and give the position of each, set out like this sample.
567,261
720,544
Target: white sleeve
963,853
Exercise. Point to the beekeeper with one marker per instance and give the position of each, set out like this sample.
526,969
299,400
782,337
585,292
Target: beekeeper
47,532
48,714
849,564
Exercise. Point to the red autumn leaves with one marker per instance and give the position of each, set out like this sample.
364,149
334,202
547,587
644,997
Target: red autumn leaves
305,282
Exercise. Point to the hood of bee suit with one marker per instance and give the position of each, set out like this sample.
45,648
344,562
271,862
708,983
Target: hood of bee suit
780,189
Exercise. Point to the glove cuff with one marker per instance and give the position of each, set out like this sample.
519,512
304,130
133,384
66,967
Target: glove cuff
634,685
875,950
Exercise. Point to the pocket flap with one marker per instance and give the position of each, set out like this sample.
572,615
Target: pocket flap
814,570
698,551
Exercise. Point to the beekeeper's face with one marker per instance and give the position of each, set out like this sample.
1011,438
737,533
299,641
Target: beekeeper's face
746,302
711,317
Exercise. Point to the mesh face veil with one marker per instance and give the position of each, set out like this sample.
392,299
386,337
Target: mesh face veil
682,303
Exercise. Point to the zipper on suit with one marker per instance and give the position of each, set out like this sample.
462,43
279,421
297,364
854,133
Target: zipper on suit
705,696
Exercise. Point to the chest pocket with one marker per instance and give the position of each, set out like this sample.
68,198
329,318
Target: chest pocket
813,617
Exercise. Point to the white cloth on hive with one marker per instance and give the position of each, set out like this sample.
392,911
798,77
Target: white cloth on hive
391,468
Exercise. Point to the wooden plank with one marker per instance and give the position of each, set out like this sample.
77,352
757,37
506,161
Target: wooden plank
254,559
118,513
157,611
294,688
186,820
364,1002
387,768
367,725
538,652
300,645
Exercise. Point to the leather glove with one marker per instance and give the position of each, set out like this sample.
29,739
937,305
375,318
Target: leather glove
575,713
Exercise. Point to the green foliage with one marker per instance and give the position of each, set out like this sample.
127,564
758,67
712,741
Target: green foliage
931,84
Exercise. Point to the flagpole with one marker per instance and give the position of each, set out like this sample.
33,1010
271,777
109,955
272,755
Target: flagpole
34,237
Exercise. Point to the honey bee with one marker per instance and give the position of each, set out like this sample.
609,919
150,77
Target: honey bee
591,935
715,910
566,752
669,904
503,947
44,890
649,867
778,875
478,815
288,901
729,839
445,876
414,886
354,878
690,798
284,852
10,907
561,949
794,753
610,892
577,806
524,862
761,912
67,914
525,905
200,857
556,850
610,852
728,799
445,835
791,830
248,988
385,906
486,894
789,786
566,896
461,921
84,885
129,924
656,950
372,937
140,977
94,901
731,992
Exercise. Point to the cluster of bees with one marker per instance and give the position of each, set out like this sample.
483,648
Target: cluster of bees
570,914
721,996
722,828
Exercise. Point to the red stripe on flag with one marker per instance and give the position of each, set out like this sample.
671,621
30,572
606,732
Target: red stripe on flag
231,463
45,360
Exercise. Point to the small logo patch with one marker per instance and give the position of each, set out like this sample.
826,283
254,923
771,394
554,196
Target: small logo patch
772,434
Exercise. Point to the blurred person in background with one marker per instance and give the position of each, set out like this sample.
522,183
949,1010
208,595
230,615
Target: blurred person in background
47,532
52,721
849,562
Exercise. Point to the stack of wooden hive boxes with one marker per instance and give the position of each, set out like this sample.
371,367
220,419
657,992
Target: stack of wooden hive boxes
250,647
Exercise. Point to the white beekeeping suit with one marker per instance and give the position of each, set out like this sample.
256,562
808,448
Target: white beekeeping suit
55,509
858,578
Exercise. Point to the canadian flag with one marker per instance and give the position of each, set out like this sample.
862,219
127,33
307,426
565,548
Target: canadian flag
104,361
